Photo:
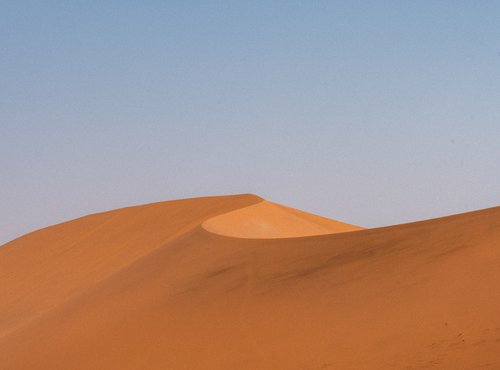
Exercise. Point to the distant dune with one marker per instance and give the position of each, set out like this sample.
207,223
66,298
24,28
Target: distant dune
236,282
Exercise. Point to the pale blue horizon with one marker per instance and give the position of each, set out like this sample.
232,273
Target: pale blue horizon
374,113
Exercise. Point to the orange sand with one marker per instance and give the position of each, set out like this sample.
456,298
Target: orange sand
237,283
266,220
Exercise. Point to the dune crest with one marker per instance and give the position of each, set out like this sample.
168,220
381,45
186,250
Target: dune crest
267,220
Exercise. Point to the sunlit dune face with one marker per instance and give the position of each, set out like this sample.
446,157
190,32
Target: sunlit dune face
267,220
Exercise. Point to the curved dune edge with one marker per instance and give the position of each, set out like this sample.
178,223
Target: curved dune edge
268,220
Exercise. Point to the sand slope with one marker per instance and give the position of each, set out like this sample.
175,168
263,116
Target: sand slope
163,286
267,220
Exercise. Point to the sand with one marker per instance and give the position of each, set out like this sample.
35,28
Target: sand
237,282
267,220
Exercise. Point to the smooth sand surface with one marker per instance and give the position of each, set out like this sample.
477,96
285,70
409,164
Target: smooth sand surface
237,283
267,220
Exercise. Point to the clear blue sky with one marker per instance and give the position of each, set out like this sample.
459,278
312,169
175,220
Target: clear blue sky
373,112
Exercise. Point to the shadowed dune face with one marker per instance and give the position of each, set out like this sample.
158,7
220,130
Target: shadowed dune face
266,220
150,287
45,268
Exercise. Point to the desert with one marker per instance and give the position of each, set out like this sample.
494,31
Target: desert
249,185
237,282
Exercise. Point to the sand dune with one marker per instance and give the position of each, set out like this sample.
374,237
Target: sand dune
236,282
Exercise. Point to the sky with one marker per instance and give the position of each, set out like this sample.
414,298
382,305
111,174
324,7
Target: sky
371,112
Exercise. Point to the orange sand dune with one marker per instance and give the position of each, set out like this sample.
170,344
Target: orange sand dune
238,283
